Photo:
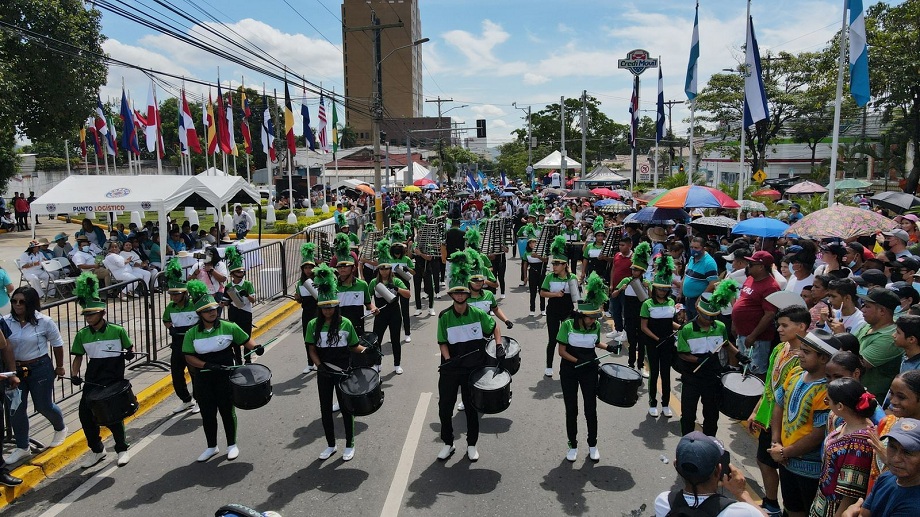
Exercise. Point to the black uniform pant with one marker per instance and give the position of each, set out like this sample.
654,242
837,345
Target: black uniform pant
574,259
389,318
499,267
91,428
325,386
448,383
177,366
244,320
572,379
404,310
355,314
535,274
215,395
424,273
554,319
307,314
691,396
659,366
631,306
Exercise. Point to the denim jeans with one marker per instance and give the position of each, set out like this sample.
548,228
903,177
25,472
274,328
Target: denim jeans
760,354
690,306
615,306
40,385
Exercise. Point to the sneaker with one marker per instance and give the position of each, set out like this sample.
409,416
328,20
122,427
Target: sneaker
472,453
612,335
532,314
542,313
607,315
644,373
327,453
594,454
123,458
446,452
548,372
522,284
233,452
335,407
460,406
348,454
621,336
195,408
399,370
377,368
7,479
653,412
92,459
183,406
666,412
418,312
208,453
572,455
502,296
59,437
407,339
17,456
772,510
431,312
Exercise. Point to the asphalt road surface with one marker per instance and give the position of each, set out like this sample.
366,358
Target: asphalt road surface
521,471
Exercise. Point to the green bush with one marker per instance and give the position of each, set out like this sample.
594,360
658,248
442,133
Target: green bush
50,163
281,226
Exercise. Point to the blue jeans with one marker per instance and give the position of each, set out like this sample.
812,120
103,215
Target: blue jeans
690,306
40,385
759,354
615,306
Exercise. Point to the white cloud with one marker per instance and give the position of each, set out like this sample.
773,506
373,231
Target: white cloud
479,51
565,29
487,110
531,78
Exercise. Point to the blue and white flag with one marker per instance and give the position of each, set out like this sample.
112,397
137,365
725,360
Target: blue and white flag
690,83
859,54
471,181
659,124
755,96
505,181
482,179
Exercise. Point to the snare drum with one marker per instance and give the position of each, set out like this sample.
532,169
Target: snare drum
252,386
510,360
618,385
360,393
490,390
112,404
740,395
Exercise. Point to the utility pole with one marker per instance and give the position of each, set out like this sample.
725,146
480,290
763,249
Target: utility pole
562,173
584,131
669,105
440,101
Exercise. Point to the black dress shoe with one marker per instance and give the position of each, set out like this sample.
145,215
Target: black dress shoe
8,480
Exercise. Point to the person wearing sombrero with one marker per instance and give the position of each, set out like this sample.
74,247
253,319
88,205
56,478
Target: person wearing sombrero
246,293
462,331
208,348
30,263
306,293
658,236
591,256
390,315
573,239
107,347
557,288
178,316
427,270
578,337
525,233
634,290
657,328
61,248
352,291
331,339
402,266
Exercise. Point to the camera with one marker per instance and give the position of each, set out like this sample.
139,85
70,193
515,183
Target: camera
200,255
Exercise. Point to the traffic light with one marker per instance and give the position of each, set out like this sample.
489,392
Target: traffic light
681,167
481,128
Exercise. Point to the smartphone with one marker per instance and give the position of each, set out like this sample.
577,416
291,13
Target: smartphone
726,461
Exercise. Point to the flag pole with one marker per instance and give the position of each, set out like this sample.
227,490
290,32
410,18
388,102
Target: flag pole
657,139
156,122
268,154
690,140
835,139
246,121
747,28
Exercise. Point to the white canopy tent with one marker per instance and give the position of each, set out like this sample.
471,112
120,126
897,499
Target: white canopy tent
230,189
554,161
419,172
349,183
213,171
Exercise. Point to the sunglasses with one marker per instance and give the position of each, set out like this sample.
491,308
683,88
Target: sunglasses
18,301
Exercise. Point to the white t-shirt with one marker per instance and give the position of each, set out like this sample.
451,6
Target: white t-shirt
738,509
795,285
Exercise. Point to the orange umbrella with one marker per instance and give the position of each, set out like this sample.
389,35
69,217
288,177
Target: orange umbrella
366,189
768,192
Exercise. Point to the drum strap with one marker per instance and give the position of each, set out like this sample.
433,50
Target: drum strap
711,507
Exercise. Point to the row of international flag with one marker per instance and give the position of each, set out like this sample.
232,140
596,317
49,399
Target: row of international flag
217,123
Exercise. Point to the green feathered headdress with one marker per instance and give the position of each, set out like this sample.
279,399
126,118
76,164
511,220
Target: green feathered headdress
369,227
307,254
567,214
342,248
723,295
537,207
234,259
595,296
173,274
479,263
489,208
664,271
460,271
439,208
473,237
398,235
198,293
641,256
382,249
419,221
598,224
398,211
557,249
326,285
353,239
87,292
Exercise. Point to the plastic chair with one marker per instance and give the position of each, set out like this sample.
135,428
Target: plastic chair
62,284
22,276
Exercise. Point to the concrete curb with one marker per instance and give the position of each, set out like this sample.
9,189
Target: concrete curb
50,461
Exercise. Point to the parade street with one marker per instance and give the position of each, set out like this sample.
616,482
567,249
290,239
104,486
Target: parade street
522,468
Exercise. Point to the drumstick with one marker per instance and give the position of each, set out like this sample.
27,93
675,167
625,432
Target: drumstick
86,382
674,333
708,356
247,354
453,359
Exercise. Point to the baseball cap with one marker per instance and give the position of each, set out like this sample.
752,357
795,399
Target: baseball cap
796,206
898,234
910,217
906,432
697,456
761,257
905,290
881,296
871,277
736,255
795,248
908,263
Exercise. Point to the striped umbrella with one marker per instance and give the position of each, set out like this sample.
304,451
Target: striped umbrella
841,222
694,196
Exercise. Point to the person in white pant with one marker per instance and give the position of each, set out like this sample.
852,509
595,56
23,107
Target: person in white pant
135,262
118,266
31,264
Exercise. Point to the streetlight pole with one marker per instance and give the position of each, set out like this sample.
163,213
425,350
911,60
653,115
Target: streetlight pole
529,142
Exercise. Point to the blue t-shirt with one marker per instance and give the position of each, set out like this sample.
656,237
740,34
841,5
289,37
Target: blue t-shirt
4,281
891,500
699,273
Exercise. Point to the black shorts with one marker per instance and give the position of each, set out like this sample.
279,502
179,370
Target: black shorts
764,441
798,491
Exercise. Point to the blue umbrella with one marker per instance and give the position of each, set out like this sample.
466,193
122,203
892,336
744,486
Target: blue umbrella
507,194
653,215
760,227
608,202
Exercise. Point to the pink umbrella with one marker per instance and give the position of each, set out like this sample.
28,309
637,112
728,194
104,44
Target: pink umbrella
605,192
806,187
422,182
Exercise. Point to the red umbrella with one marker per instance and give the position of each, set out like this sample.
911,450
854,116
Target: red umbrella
694,196
768,192
422,182
475,202
605,192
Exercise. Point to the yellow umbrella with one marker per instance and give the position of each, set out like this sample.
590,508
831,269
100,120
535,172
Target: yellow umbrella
412,188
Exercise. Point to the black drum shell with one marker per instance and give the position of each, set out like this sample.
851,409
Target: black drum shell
737,405
251,385
365,400
511,362
618,385
490,400
112,404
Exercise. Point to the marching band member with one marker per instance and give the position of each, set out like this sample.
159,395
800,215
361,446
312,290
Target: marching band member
403,267
499,261
635,291
656,322
461,336
484,300
578,336
525,234
241,315
572,235
178,317
331,339
536,271
389,315
108,347
480,262
592,251
557,289
208,348
305,294
426,271
352,291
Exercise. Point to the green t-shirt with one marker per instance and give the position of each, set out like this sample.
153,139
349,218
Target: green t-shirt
593,250
691,339
214,345
464,333
658,311
354,295
395,281
554,283
484,302
405,261
337,353
181,317
570,335
244,289
877,348
103,348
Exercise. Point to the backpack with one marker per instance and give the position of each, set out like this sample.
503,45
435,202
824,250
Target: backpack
711,507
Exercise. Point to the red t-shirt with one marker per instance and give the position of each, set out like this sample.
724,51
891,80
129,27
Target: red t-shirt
621,266
752,304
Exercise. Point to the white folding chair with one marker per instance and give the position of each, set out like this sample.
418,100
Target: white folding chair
22,276
62,283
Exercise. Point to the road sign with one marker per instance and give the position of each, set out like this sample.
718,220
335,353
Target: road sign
638,61
760,176
644,168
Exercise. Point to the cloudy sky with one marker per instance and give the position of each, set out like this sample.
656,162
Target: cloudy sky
488,54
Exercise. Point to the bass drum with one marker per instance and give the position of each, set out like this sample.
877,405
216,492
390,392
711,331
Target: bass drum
360,393
740,395
252,386
112,404
510,357
490,388
618,385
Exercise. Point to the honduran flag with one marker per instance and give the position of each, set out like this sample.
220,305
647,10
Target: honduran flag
129,129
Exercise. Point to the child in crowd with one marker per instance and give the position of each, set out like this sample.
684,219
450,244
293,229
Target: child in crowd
897,492
239,307
904,402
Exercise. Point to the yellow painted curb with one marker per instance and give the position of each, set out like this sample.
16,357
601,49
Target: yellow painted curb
50,461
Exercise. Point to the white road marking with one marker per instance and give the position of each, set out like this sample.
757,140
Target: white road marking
404,468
